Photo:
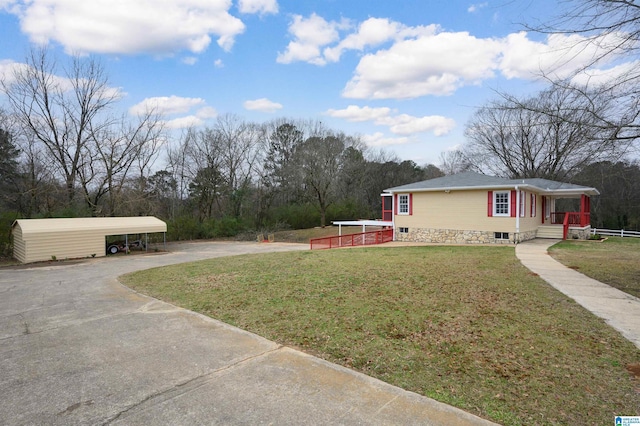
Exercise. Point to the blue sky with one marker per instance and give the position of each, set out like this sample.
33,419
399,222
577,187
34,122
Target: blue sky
405,75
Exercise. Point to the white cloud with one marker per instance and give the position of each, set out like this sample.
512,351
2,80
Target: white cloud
166,105
184,122
374,32
190,60
178,112
8,68
313,36
599,76
207,112
152,26
402,124
218,63
435,64
439,63
263,105
174,105
356,113
560,55
258,6
426,61
310,34
476,7
378,139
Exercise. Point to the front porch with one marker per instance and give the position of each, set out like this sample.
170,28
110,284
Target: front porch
558,224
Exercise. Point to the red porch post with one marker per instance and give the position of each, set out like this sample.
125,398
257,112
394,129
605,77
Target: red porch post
585,210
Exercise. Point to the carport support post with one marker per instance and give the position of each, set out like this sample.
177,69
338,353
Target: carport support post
146,242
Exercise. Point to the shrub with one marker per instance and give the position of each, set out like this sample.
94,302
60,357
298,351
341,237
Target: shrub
297,216
6,240
228,227
183,228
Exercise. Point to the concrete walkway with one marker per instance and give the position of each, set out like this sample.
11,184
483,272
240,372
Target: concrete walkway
619,309
76,347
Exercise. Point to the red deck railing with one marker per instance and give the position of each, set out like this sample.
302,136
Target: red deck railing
362,239
576,219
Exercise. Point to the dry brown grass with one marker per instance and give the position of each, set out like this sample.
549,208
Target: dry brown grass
468,326
614,261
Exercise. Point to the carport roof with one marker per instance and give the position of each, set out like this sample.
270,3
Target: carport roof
103,225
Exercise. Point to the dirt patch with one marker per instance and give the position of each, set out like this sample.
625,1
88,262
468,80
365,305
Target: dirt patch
634,369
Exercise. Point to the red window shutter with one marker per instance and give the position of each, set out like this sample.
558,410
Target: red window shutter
514,206
490,204
395,203
410,204
544,208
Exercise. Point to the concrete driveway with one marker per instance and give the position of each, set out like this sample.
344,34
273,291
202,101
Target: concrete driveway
76,347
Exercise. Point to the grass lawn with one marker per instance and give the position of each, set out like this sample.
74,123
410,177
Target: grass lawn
468,326
614,261
304,235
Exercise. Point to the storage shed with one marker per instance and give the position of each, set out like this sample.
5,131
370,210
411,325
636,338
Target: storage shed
41,239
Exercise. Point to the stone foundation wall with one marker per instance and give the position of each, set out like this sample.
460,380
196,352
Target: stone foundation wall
528,235
579,233
457,236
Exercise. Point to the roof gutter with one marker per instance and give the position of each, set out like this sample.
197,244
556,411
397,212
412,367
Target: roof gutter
544,191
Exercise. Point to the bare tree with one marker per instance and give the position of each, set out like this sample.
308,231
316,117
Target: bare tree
200,160
115,152
178,161
238,143
219,165
611,30
452,162
319,160
65,121
550,135
64,114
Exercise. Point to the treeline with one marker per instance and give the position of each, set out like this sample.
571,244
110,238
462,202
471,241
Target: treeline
63,153
233,177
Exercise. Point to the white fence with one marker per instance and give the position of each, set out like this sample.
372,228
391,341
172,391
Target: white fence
615,232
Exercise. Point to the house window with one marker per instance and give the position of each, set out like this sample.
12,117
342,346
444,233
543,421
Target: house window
501,203
522,203
501,235
533,205
403,230
403,204
547,207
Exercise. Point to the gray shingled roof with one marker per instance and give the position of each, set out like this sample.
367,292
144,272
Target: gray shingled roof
470,180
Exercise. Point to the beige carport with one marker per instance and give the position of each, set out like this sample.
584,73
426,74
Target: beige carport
41,239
